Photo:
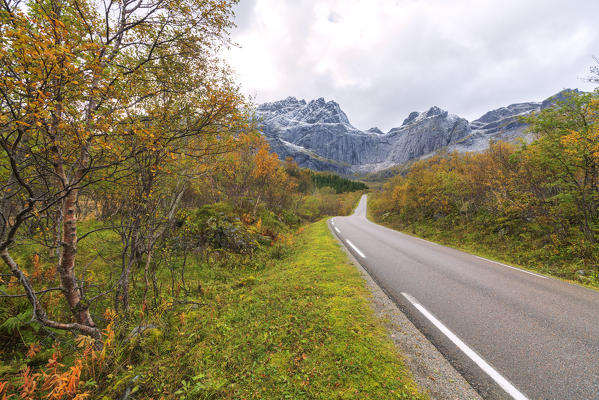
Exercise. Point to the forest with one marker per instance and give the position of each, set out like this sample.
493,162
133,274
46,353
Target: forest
341,185
534,204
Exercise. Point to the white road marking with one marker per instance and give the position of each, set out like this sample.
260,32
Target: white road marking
337,229
424,240
496,376
356,249
509,266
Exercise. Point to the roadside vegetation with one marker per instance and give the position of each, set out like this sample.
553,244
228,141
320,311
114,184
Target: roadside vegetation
153,247
289,319
535,205
186,298
151,243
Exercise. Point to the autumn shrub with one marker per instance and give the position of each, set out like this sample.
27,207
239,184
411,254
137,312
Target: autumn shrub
61,377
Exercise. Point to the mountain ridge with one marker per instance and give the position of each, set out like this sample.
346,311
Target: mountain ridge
318,134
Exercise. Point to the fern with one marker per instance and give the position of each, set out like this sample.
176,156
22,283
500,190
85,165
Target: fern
16,323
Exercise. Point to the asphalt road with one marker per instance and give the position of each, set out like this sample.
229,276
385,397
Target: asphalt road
511,333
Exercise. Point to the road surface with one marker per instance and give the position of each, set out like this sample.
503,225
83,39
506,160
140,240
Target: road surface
510,332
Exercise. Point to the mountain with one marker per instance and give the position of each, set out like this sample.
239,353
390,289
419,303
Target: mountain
319,136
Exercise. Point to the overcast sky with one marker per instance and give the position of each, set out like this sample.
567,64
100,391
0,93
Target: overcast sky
382,59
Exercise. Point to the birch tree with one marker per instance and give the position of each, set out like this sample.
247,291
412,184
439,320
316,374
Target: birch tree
86,87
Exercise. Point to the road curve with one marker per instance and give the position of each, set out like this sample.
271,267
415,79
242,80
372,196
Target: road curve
510,332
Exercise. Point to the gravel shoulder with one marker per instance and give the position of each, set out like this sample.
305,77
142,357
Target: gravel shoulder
431,371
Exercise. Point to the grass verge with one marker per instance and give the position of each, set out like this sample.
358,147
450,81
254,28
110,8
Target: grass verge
302,329
292,322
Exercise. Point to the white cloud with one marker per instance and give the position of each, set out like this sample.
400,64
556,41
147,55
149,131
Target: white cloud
381,59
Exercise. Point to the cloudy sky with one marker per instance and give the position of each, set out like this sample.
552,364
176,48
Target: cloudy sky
381,59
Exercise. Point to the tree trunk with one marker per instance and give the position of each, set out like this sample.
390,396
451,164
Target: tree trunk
147,272
256,204
38,311
123,287
66,266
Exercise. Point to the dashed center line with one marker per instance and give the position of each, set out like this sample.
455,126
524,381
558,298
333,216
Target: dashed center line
496,376
356,249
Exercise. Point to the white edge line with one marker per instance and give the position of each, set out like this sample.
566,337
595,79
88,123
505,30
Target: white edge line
496,376
337,229
356,249
486,259
509,266
425,241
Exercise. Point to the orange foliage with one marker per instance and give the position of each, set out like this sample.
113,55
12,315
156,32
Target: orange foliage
251,175
4,390
58,382
34,348
37,271
62,384
29,385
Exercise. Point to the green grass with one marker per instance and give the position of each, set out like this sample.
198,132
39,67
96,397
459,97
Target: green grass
294,323
290,321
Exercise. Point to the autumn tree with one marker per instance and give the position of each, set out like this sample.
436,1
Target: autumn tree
544,192
87,89
567,153
252,175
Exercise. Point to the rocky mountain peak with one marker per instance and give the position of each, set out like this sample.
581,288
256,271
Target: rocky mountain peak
413,115
316,111
505,112
560,96
416,117
320,110
434,111
268,110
